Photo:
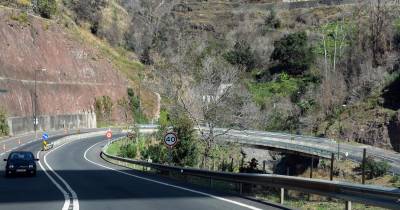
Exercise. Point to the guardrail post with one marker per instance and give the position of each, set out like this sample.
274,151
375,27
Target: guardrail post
264,162
241,188
282,200
312,166
348,205
363,166
332,160
211,182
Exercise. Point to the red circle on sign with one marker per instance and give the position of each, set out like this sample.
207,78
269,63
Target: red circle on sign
170,144
109,134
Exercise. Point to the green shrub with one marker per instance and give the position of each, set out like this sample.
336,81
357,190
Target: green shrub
186,152
88,10
145,58
21,17
376,168
337,34
46,8
4,130
158,153
241,55
270,22
128,151
282,121
293,53
252,167
396,40
164,118
396,36
103,108
134,104
284,86
395,180
306,105
226,166
23,3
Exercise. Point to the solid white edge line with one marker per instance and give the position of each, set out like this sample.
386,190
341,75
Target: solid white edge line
66,195
74,195
169,185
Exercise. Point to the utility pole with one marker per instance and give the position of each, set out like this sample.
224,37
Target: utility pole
331,171
140,103
363,166
35,120
34,107
340,133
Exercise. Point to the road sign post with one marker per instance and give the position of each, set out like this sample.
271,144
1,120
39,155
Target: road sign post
170,140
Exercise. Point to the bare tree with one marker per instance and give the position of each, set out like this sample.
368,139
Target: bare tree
210,101
333,90
379,22
146,20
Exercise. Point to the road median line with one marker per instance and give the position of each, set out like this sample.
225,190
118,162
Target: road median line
167,184
71,195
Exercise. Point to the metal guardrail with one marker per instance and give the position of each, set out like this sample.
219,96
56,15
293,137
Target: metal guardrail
367,194
281,145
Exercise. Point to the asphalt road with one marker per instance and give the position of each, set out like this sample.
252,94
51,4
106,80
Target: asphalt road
28,192
77,178
12,143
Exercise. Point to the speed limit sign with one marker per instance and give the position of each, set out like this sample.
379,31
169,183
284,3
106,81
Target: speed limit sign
109,135
170,139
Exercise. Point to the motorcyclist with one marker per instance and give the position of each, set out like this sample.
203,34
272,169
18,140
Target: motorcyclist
44,145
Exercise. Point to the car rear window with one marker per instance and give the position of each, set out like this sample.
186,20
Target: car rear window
21,156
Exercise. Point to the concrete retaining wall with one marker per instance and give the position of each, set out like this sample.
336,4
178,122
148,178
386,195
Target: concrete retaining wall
19,125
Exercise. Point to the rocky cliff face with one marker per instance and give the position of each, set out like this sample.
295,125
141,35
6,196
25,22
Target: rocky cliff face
394,132
375,127
75,73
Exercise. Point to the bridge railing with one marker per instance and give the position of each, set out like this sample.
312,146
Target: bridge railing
366,194
292,146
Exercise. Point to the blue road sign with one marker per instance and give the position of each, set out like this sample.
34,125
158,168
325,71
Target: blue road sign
45,136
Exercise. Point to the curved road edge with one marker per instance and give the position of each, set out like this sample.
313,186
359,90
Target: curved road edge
85,150
167,184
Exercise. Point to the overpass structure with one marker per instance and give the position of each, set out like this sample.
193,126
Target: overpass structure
299,144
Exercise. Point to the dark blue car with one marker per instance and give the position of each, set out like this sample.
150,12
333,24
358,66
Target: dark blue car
21,163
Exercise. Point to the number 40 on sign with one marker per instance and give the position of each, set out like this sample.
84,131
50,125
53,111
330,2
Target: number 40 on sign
170,139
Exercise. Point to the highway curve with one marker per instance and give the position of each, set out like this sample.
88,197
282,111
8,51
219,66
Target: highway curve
36,193
82,180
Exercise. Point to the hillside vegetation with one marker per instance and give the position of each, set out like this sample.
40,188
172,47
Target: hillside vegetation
329,71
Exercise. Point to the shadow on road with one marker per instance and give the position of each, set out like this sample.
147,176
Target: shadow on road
91,185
